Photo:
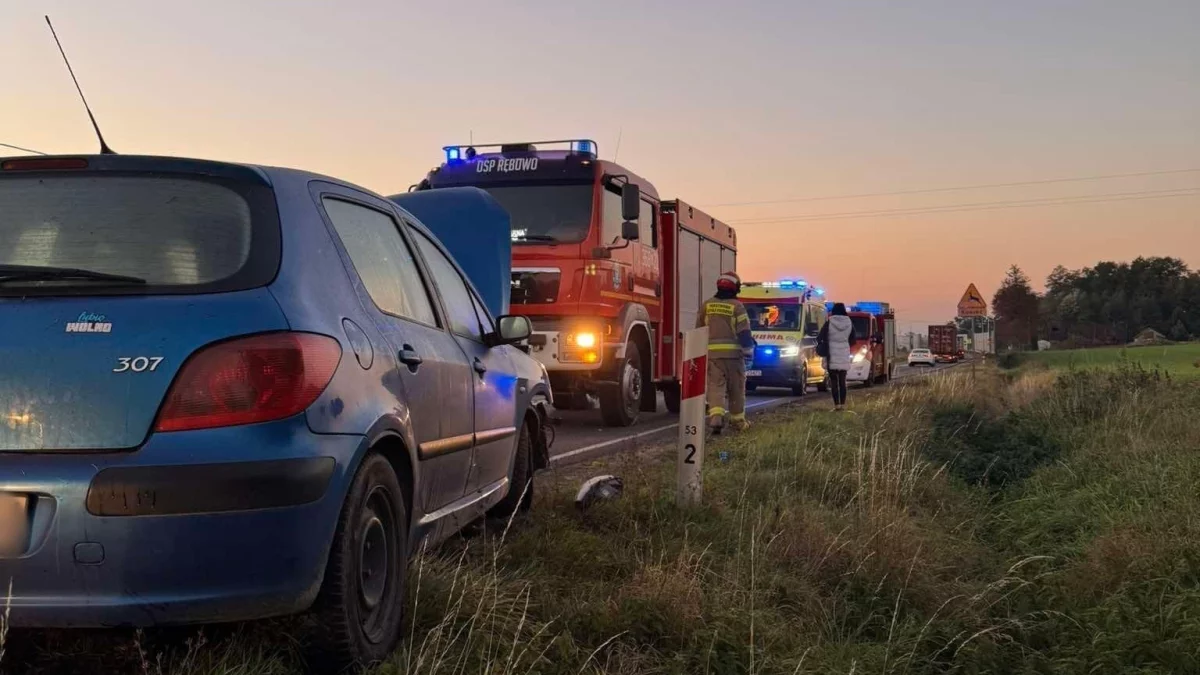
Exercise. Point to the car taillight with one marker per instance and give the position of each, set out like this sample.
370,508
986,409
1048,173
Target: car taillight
249,380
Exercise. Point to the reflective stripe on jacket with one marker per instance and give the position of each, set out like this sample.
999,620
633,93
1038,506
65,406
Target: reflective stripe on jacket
725,320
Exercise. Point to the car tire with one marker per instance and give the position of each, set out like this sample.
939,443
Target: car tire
621,403
802,388
672,395
520,488
823,385
360,607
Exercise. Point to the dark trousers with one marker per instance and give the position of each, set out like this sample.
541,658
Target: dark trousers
837,386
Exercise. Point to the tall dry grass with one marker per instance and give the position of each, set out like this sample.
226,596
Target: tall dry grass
872,542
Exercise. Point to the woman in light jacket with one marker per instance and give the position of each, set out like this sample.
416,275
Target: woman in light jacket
838,335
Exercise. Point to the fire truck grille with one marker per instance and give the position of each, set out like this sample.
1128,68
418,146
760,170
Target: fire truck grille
534,287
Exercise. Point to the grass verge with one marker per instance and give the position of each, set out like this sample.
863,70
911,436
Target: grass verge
1037,522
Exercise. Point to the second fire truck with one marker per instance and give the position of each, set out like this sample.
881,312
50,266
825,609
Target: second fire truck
873,354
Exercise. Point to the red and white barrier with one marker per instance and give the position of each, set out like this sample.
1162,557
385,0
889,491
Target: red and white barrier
692,408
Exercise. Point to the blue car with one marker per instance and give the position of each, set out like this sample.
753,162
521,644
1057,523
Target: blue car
230,392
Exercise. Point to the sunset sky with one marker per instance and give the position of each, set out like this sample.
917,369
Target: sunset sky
717,103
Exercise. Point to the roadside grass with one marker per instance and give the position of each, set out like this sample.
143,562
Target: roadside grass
1179,360
976,522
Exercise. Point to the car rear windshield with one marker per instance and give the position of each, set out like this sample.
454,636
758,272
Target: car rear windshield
175,234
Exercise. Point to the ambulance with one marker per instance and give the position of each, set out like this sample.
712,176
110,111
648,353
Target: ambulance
785,318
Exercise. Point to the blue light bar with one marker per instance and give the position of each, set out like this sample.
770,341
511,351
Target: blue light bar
453,154
869,307
585,147
819,291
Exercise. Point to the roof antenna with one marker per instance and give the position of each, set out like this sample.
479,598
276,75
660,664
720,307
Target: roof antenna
17,147
618,150
104,149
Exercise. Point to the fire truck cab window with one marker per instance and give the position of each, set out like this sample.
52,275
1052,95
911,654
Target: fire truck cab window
610,217
648,225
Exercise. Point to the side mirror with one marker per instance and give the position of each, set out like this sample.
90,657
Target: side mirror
631,202
513,329
629,230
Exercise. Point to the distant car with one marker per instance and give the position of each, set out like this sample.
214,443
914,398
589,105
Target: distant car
233,392
921,357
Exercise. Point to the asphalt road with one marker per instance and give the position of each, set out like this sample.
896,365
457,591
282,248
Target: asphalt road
582,434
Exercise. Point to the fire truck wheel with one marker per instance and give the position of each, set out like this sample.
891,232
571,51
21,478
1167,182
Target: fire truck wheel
672,395
621,402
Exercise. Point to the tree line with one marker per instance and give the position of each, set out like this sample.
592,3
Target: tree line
1106,304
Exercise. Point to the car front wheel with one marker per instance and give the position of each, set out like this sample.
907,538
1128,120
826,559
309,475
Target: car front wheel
520,488
361,603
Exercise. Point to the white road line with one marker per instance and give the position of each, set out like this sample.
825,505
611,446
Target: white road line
658,430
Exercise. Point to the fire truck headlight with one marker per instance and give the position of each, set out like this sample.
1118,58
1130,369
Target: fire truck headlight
787,352
862,354
585,340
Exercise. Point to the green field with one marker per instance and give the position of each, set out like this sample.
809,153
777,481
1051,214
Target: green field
1181,360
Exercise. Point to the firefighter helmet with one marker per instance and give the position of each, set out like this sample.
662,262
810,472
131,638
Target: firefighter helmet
729,281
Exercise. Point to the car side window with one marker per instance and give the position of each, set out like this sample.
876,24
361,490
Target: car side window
382,258
460,307
485,319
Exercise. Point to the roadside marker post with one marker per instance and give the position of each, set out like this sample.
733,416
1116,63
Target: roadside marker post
692,388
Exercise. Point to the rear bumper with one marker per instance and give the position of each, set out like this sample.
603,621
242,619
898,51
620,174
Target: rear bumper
194,527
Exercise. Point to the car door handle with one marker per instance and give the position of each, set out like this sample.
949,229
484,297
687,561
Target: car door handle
409,357
479,367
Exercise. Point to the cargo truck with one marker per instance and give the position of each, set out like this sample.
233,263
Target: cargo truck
609,272
943,342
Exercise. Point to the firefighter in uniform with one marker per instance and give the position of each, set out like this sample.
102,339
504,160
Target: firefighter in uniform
729,345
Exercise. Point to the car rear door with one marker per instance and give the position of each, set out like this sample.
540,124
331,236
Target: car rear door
494,376
426,369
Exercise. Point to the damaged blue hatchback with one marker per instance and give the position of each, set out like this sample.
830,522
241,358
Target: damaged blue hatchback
230,392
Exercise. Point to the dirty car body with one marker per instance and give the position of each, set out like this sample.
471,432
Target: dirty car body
182,421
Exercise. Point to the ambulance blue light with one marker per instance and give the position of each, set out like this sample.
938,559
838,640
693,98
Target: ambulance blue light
787,284
819,291
453,154
768,351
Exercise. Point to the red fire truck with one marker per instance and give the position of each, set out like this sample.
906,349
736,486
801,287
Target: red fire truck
608,272
873,354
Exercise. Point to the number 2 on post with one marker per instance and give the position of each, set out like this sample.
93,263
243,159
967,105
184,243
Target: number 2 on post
691,454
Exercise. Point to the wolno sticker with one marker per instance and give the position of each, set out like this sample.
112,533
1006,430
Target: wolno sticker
89,323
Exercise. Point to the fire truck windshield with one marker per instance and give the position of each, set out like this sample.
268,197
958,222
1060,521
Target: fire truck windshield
862,327
541,214
765,316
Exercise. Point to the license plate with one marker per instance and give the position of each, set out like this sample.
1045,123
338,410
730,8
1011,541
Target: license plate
14,524
753,373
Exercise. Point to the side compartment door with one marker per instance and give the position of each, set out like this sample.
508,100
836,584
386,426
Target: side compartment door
423,366
493,373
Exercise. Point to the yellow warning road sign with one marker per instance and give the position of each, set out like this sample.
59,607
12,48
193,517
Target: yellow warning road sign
972,303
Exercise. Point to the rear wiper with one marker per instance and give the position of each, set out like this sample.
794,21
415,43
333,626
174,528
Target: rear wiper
535,237
19,273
